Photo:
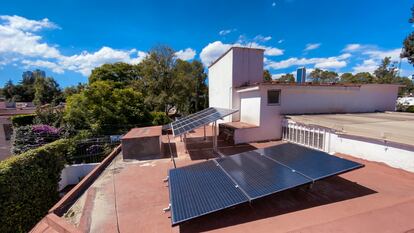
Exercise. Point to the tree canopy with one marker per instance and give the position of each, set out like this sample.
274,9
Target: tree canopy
408,43
323,76
287,78
267,77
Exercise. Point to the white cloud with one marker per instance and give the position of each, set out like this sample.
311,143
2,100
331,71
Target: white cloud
381,54
20,42
46,64
17,38
368,65
215,49
328,62
86,61
312,46
351,47
212,51
280,41
261,38
20,23
186,54
226,31
334,64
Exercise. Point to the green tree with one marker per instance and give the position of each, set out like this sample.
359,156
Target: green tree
359,78
287,78
323,76
386,71
104,108
158,78
117,72
267,77
46,91
408,43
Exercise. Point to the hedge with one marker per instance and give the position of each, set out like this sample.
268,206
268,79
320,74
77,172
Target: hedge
22,120
29,185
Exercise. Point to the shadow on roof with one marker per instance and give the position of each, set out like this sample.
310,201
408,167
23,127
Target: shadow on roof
331,190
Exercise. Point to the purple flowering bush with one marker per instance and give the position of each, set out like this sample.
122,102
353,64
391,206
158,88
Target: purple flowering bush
33,136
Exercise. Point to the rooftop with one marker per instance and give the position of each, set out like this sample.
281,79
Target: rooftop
130,196
395,127
310,84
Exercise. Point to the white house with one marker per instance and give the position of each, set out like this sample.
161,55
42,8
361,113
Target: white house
267,109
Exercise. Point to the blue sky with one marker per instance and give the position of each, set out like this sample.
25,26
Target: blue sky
69,38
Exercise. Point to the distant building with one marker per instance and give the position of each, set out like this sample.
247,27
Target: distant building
301,75
32,74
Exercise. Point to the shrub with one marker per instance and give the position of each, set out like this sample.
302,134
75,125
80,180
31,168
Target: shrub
32,136
410,109
29,186
159,118
22,120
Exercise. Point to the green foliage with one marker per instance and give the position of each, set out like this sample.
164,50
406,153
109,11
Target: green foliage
104,108
117,72
387,71
29,186
287,78
323,76
49,115
32,136
408,43
159,118
22,120
267,77
410,109
46,91
363,77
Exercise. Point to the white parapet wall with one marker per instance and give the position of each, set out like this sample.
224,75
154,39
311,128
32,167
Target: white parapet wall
328,140
383,152
72,174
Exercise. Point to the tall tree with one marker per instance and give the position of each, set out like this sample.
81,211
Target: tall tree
408,44
386,71
117,72
158,78
287,78
323,76
46,91
267,77
104,108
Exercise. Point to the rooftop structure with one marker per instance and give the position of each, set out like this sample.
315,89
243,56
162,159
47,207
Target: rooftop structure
130,195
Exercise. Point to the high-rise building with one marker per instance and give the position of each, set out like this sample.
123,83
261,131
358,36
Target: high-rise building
301,75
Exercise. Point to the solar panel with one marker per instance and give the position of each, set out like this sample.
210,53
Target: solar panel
259,176
200,189
198,119
217,184
312,163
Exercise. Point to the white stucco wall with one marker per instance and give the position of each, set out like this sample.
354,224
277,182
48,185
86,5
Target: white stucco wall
220,85
72,174
237,67
378,152
336,99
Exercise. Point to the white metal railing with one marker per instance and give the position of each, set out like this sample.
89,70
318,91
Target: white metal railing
310,136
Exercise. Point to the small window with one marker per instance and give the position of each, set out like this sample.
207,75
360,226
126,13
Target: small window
273,96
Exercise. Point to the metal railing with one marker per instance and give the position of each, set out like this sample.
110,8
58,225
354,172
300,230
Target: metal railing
310,136
92,150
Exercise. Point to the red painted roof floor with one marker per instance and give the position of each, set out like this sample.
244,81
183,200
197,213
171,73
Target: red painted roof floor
130,196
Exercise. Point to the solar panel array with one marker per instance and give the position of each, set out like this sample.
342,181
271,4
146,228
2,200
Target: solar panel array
210,186
203,117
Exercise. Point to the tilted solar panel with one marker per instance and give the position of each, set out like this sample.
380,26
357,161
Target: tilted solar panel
259,176
200,189
198,119
312,163
217,184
